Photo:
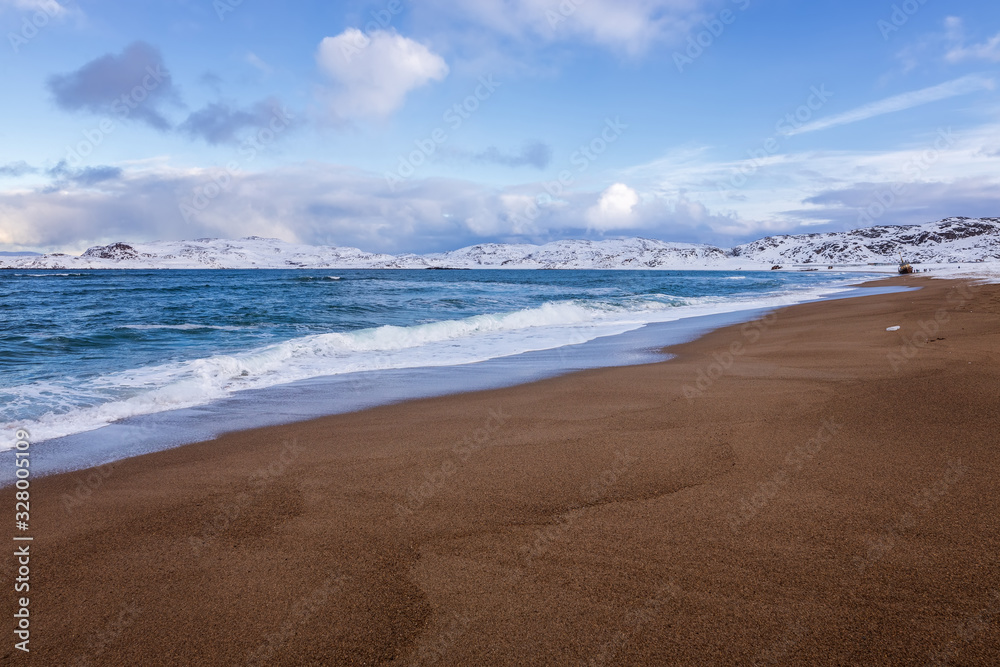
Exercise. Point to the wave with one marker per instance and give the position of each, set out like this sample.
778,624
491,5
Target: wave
90,404
178,327
46,275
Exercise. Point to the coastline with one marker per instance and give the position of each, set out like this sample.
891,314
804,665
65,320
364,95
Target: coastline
324,395
798,488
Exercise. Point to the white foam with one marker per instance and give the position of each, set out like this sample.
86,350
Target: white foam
184,384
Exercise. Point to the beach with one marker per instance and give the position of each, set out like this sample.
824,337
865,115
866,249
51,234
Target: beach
807,487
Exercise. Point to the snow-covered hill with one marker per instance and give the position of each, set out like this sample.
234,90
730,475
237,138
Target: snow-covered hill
950,241
252,252
634,253
953,240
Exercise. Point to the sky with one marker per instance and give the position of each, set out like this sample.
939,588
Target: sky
428,125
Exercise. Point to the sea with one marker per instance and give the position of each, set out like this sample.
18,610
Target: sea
101,364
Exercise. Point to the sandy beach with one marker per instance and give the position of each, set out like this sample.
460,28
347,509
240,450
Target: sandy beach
805,488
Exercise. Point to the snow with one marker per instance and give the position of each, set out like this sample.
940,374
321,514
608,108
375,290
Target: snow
952,240
941,247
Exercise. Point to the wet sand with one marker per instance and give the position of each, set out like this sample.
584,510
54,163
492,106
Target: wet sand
805,488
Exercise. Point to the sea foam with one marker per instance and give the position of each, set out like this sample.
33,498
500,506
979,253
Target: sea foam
87,404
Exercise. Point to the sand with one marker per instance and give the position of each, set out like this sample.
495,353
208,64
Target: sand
807,488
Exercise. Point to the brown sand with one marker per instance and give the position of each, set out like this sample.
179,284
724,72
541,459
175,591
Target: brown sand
818,502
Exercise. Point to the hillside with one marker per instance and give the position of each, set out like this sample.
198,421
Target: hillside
949,241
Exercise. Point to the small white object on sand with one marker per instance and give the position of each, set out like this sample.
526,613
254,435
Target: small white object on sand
896,328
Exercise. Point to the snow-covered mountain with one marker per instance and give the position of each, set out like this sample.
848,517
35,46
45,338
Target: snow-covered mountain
252,252
633,253
954,240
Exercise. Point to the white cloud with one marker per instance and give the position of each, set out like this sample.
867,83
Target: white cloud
373,73
623,25
614,209
50,7
323,204
958,51
939,174
949,45
962,86
255,60
686,196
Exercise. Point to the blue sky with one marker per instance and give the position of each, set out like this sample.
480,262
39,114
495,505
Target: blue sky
422,125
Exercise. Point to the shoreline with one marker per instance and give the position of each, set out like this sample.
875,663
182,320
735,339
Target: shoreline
797,488
312,398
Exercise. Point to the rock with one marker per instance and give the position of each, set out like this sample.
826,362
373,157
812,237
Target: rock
113,251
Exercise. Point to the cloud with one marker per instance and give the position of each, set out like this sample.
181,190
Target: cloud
535,154
50,7
860,204
967,84
62,173
219,123
629,26
133,84
16,169
683,197
253,59
614,208
313,203
86,177
374,73
950,45
93,175
748,198
958,51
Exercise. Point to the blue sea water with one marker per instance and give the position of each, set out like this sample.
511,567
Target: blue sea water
81,350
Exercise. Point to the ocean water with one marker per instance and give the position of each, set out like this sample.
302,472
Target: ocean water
81,350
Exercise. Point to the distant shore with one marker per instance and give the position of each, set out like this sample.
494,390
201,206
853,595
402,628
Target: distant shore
806,488
943,243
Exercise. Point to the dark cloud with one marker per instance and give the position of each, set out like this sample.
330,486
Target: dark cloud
320,204
86,176
867,204
92,175
535,154
133,84
312,203
19,168
219,123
